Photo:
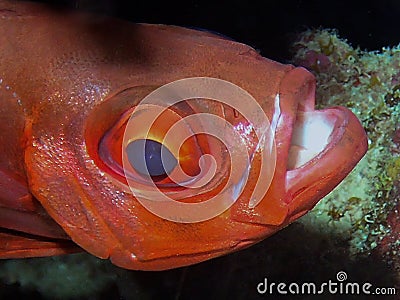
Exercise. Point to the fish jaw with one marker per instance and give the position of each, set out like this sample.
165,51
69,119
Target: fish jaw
322,147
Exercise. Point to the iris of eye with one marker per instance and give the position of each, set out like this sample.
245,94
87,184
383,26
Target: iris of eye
150,158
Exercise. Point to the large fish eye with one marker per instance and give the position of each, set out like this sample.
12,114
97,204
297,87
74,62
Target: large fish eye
151,146
143,154
150,158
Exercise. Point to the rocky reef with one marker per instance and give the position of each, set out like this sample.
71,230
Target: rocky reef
368,83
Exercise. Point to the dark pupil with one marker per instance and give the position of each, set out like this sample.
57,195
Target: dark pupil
145,157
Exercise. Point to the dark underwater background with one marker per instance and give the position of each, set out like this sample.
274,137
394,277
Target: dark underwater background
290,255
266,25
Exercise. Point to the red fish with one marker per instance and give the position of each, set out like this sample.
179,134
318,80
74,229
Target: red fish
70,170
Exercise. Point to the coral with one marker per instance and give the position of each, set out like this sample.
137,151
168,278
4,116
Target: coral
396,138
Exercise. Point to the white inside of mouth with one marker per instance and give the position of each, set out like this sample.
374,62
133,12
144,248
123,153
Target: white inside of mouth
311,135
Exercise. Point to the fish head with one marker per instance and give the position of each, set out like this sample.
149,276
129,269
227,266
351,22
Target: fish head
158,146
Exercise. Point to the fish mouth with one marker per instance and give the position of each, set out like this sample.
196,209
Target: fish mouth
325,146
318,147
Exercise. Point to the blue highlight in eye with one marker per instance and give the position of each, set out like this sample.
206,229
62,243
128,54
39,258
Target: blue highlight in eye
145,155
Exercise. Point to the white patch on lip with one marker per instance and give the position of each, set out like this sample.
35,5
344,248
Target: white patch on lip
311,135
277,113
